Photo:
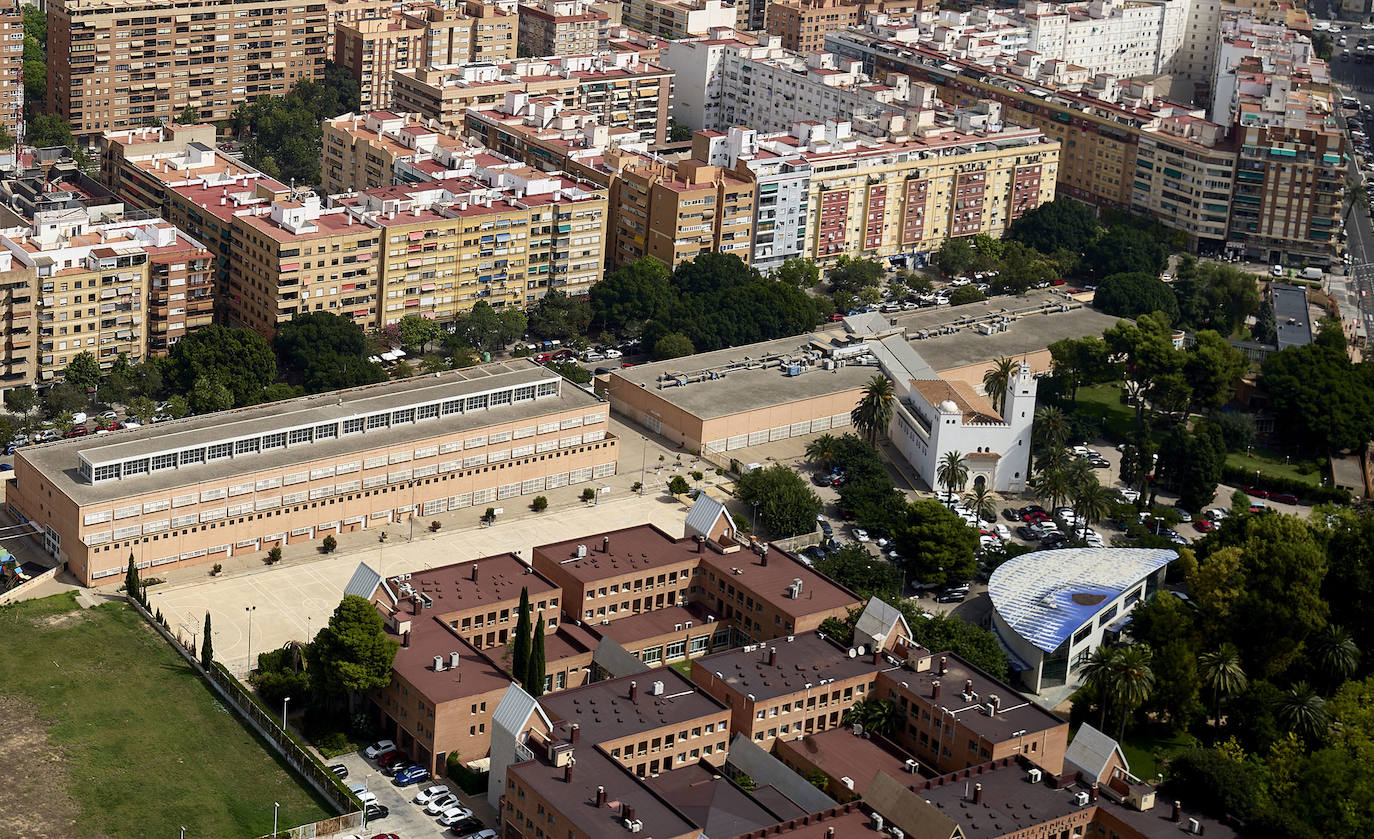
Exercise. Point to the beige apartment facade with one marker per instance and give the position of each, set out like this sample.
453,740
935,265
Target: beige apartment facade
114,65
198,490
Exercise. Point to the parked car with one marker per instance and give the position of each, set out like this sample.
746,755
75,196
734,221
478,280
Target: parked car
612,352
1002,531
1183,515
1130,496
396,767
1284,498
821,479
375,812
860,534
442,804
1256,492
340,771
378,748
1054,540
467,827
454,815
481,834
1204,526
108,415
389,758
413,775
428,794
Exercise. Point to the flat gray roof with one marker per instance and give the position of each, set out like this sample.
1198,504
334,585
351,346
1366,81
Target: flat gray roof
1291,317
58,461
1029,333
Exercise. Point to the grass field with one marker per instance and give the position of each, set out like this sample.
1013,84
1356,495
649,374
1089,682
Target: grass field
1272,463
122,739
1104,402
1143,749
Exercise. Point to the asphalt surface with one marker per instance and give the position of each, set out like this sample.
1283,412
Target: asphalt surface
1357,80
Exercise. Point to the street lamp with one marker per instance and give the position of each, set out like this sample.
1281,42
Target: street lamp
643,460
275,806
754,520
250,610
283,712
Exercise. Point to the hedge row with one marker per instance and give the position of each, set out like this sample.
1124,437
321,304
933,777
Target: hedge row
1275,483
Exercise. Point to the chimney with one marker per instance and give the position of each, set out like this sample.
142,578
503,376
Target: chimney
968,686
453,661
575,733
977,793
600,796
877,655
627,812
1092,793
772,656
935,689
405,639
1178,811
944,665
701,542
634,691
415,604
474,572
567,772
830,833
763,557
605,544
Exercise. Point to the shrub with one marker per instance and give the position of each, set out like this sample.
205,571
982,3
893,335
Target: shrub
697,475
469,781
329,544
1276,483
588,494
274,556
678,485
435,525
636,487
490,514
216,569
539,504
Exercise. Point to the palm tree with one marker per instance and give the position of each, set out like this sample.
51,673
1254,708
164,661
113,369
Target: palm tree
1051,427
952,472
1052,486
1304,712
1132,681
874,411
1335,655
1355,193
1221,671
1093,502
1097,671
821,451
982,501
997,380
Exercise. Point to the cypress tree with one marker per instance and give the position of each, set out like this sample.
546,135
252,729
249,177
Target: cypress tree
131,584
207,650
520,645
534,678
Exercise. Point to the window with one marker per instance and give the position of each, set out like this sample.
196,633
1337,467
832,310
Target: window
353,426
300,435
274,441
219,451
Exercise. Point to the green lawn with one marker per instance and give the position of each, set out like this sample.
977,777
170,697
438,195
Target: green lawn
1272,463
684,667
146,748
1104,402
1143,746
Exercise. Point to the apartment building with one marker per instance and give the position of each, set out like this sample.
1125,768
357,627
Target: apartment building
371,49
619,89
1184,175
676,211
543,133
372,149
18,322
802,24
12,68
565,27
1120,37
116,64
673,19
116,287
783,181
196,490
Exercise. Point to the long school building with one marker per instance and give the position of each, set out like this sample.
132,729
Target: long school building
201,489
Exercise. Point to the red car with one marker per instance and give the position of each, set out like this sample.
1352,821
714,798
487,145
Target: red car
837,317
1256,492
1204,526
1284,498
109,426
385,759
1034,516
626,365
78,431
543,358
386,836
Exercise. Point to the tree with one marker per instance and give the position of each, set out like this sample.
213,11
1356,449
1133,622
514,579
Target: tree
1098,673
1218,784
1191,462
673,345
83,372
20,400
854,274
799,272
190,115
982,501
488,329
677,132
35,60
784,503
1355,194
679,486
1092,502
1061,224
1049,429
178,407
418,332
877,716
973,644
1080,361
1303,711
952,472
571,370
936,546
997,379
1217,296
1222,674
874,411
207,648
209,395
560,316
352,653
632,294
323,351
1278,605
49,130
329,544
1320,400
132,588
1125,250
62,399
966,294
520,644
856,568
955,257
821,451
1213,368
1335,656
534,675
1131,295
539,504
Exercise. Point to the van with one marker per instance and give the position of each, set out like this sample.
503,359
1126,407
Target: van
1311,273
78,418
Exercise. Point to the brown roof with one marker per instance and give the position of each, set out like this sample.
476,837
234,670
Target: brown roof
771,582
1015,713
630,632
431,636
710,801
604,711
637,548
488,581
802,660
840,755
974,407
849,821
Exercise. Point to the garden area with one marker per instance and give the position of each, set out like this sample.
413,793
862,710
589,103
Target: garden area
107,732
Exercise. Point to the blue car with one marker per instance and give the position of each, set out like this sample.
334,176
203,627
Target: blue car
413,775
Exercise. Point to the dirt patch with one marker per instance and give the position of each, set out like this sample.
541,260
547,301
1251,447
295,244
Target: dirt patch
34,777
61,620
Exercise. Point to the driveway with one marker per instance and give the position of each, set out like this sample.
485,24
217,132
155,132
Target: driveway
406,819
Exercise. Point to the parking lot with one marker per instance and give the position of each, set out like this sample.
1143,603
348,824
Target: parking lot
406,818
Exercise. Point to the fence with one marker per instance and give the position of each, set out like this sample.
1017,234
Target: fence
295,752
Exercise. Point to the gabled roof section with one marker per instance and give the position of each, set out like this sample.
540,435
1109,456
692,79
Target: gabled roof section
1091,751
877,622
364,583
616,660
515,709
767,770
702,518
907,810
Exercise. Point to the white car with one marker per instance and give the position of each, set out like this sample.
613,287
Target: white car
1217,513
986,540
860,534
612,352
1130,496
365,798
1183,515
453,815
428,794
108,415
1093,539
592,355
484,834
378,748
1003,532
442,804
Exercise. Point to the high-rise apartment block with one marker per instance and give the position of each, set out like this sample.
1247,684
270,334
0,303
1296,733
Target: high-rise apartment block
619,89
565,27
368,150
673,19
115,64
372,49
545,134
12,68
803,24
